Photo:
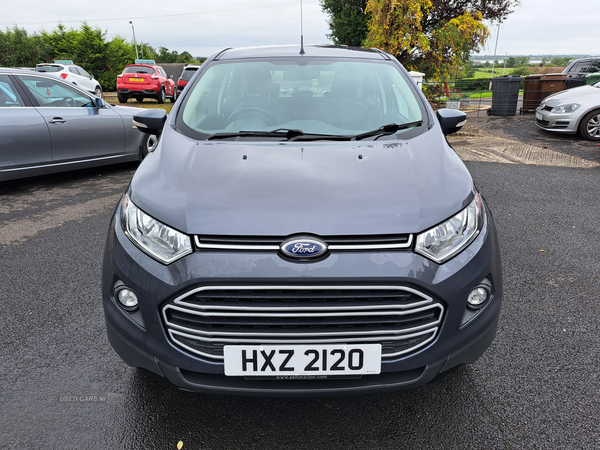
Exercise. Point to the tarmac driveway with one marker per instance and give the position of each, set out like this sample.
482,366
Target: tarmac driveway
537,387
517,140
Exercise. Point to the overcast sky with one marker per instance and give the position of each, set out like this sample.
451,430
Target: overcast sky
204,27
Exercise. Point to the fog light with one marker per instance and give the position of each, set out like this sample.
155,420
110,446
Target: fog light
477,298
127,298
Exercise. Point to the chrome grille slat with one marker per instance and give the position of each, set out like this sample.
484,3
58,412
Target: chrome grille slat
270,243
200,334
242,312
204,319
174,333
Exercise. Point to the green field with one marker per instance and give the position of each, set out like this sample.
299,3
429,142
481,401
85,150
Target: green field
487,73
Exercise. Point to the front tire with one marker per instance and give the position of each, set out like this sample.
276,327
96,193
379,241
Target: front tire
149,141
98,92
160,97
589,127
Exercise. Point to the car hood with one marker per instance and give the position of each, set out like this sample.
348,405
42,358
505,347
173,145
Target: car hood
245,188
579,94
127,111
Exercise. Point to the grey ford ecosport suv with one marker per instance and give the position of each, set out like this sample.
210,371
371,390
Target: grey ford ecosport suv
301,228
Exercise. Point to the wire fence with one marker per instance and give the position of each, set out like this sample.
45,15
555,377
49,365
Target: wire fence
502,96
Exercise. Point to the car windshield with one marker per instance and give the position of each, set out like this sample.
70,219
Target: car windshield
340,97
139,69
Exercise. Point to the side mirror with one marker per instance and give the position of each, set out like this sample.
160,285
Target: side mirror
150,121
451,120
98,102
170,77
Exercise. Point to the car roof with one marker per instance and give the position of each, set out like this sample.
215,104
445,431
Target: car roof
319,51
23,71
55,64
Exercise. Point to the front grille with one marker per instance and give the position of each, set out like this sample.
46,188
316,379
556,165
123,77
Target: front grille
362,242
562,124
401,319
543,123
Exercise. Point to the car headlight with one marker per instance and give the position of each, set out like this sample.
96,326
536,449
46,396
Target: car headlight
447,239
565,109
158,240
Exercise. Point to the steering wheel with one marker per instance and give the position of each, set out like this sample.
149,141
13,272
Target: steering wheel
67,102
237,114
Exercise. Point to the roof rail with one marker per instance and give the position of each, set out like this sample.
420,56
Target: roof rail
216,58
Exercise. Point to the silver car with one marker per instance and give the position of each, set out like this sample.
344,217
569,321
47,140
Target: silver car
572,111
48,125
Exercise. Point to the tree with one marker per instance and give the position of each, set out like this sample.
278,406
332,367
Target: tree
511,62
398,26
559,61
119,53
86,46
522,61
443,26
522,71
18,49
347,21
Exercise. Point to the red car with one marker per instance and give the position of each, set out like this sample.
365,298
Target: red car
144,79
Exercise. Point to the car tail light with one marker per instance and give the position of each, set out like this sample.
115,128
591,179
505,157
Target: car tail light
64,76
155,77
120,76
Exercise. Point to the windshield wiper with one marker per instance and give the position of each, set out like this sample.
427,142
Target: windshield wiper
388,129
280,132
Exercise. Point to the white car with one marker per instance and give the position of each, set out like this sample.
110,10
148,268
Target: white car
73,74
572,111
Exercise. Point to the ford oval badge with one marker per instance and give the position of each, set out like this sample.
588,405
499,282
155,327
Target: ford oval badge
304,248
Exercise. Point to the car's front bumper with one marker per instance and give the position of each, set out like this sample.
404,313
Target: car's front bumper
142,338
560,123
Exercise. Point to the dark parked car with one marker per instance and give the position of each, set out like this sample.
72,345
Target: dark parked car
48,125
186,75
578,69
301,228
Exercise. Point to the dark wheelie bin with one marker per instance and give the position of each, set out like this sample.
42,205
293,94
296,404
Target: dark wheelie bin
505,95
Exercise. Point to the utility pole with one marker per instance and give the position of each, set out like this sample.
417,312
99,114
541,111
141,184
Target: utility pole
134,42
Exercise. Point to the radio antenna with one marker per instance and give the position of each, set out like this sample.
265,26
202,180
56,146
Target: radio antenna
301,31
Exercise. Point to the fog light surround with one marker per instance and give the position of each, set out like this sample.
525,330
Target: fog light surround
478,297
127,298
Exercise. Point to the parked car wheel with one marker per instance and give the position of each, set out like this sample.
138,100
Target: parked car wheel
98,92
160,97
122,98
589,127
174,94
148,143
